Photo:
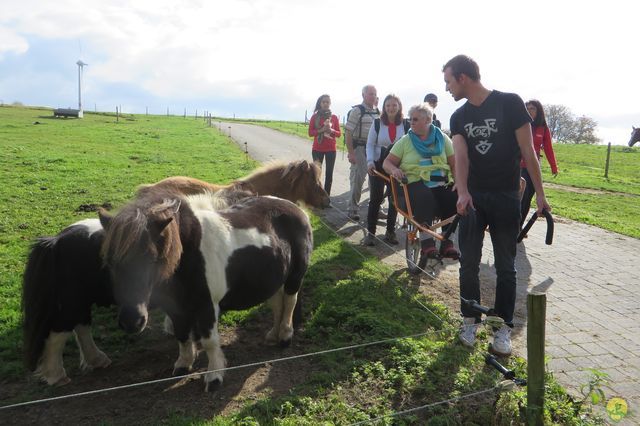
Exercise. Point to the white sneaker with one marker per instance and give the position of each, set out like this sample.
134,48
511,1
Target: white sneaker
468,331
502,341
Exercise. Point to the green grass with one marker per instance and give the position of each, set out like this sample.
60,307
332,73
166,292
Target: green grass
52,168
583,166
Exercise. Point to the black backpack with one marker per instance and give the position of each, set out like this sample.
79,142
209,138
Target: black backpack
363,111
405,123
384,151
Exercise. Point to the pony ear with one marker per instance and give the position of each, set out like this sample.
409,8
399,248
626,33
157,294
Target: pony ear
160,224
105,217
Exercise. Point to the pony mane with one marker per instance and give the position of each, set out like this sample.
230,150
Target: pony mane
131,226
267,168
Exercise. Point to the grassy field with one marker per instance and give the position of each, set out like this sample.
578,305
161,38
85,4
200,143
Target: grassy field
55,170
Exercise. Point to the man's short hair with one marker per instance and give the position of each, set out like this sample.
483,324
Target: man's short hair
463,64
431,97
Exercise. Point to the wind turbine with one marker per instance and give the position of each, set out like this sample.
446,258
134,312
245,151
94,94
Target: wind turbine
81,65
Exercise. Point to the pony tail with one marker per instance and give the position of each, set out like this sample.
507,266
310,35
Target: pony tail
38,299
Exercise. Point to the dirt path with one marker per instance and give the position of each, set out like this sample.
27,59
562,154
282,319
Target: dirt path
586,190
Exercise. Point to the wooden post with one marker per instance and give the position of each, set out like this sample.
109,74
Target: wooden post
606,166
117,114
536,319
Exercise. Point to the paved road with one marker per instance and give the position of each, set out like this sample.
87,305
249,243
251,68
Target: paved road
589,275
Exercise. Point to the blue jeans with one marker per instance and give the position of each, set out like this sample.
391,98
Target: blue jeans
500,211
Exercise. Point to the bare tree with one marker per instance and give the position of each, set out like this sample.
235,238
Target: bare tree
585,128
566,128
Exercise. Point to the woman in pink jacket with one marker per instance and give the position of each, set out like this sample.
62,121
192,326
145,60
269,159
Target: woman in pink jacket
541,140
325,129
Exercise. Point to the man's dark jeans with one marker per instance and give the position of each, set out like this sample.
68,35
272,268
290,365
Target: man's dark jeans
500,211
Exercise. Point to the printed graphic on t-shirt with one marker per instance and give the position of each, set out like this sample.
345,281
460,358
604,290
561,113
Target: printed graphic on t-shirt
473,132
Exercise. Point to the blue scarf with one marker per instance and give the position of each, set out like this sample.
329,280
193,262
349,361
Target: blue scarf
432,146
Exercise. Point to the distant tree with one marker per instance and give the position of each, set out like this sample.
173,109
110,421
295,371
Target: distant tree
560,122
566,128
584,129
17,103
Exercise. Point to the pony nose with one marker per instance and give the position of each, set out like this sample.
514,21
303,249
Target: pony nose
132,320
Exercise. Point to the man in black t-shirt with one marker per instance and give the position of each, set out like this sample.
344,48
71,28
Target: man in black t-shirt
490,133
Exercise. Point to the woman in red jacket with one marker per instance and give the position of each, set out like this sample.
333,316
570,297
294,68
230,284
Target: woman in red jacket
541,139
325,128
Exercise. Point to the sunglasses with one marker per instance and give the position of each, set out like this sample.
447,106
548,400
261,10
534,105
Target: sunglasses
414,119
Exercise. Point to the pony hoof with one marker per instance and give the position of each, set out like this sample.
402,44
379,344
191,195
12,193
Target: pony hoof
213,386
63,381
285,343
181,371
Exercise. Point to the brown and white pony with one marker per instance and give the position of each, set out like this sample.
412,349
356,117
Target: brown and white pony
295,181
635,136
199,262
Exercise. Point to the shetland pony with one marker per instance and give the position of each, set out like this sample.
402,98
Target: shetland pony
199,262
635,136
294,181
63,278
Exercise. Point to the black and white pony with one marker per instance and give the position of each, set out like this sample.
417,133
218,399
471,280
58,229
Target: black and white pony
635,136
63,279
199,262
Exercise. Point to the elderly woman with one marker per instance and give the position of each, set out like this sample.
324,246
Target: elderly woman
425,157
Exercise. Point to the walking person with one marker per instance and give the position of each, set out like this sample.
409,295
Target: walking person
325,128
491,132
385,131
432,100
541,140
359,121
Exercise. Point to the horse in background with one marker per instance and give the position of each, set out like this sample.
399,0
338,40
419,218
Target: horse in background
635,136
63,278
199,262
295,181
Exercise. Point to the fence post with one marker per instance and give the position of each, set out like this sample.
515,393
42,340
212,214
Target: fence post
536,319
606,166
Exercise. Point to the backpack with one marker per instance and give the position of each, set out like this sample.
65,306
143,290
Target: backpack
384,151
363,111
405,123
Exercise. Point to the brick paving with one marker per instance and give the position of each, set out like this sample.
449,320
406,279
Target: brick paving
589,275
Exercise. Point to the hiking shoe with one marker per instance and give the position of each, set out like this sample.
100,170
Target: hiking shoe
428,250
390,237
354,216
448,250
468,331
369,240
502,341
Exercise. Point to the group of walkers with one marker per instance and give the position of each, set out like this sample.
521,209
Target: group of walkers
494,143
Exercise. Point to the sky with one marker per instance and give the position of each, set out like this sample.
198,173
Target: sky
272,59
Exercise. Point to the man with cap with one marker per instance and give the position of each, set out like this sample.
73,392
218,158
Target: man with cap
432,100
